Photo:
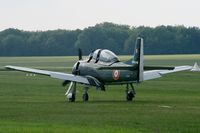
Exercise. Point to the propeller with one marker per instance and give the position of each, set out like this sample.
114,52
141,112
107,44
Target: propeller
76,68
80,54
75,71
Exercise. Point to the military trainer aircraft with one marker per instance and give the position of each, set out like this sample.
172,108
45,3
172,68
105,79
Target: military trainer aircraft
102,68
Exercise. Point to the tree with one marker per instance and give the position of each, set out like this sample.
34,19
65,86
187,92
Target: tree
118,38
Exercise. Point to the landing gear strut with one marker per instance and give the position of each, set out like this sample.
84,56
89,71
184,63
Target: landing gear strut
71,92
130,94
85,94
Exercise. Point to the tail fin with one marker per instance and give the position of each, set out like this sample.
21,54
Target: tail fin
139,58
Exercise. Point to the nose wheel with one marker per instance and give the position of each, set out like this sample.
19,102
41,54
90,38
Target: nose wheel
130,92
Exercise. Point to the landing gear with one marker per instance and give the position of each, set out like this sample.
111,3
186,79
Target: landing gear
72,98
130,94
71,92
85,95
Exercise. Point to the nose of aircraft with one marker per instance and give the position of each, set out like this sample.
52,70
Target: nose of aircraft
75,68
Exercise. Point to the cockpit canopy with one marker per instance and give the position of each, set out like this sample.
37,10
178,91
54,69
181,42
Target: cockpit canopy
104,55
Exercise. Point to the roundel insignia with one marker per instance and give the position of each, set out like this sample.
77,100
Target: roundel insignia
116,74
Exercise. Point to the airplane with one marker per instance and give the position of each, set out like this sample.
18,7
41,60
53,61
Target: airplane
103,67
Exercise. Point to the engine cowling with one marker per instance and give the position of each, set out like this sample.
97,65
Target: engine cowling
75,69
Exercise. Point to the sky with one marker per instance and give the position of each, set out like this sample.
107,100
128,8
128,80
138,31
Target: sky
41,15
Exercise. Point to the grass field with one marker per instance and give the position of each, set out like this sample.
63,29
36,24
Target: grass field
36,104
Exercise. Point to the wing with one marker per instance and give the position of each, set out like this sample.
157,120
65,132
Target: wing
153,74
59,75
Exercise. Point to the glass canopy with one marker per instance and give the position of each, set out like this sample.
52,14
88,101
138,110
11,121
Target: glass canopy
104,56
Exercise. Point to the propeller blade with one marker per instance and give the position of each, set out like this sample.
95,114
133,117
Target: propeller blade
80,54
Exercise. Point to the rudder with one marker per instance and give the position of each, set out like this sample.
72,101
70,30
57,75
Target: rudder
139,58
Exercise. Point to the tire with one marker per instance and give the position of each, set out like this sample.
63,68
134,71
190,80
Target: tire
73,98
85,97
129,96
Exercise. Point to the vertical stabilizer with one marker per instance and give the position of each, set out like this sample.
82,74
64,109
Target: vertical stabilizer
139,58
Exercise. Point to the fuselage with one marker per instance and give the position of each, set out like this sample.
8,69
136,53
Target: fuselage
106,76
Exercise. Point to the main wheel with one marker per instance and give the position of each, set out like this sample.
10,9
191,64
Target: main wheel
72,98
85,97
130,96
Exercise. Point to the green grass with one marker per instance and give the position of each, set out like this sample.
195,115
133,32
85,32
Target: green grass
37,104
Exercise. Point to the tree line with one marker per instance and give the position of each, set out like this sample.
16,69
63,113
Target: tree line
118,38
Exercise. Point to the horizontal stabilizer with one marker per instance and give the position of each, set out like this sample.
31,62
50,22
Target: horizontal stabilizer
153,74
158,68
195,68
